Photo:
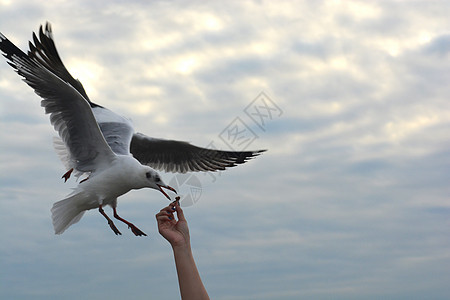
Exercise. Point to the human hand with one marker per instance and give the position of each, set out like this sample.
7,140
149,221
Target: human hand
175,232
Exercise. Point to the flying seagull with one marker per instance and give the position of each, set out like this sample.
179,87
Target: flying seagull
97,142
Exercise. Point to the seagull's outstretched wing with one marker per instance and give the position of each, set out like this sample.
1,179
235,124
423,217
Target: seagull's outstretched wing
70,112
44,51
181,157
116,129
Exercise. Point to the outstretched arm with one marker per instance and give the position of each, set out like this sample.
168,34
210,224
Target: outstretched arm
177,233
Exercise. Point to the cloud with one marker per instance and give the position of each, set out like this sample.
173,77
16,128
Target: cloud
350,201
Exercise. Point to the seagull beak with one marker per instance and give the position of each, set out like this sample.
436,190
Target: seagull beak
166,187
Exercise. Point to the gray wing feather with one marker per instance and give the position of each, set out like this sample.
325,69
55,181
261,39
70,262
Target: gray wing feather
118,136
182,157
44,51
116,130
70,113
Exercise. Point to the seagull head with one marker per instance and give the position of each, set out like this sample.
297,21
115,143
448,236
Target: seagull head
154,181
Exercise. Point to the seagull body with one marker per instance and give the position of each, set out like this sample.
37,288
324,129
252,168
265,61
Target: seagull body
99,143
122,174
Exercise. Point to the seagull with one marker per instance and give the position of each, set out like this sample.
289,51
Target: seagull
100,144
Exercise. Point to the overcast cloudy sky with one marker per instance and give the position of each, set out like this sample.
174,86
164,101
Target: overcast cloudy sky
351,99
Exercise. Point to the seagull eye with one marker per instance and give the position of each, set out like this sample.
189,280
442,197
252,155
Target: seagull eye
148,175
157,179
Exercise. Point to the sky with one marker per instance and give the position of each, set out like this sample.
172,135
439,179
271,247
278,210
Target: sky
350,98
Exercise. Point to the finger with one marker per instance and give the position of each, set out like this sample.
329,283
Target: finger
164,219
167,209
180,213
170,211
164,213
177,198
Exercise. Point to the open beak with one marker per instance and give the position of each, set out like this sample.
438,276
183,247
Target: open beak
166,187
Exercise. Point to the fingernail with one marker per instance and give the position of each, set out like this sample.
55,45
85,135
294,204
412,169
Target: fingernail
173,208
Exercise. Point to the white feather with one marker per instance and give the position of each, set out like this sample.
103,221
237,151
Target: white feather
65,157
68,211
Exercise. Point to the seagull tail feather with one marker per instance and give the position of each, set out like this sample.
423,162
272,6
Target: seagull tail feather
67,212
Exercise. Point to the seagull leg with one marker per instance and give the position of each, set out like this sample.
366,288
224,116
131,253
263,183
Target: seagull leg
110,222
134,229
67,175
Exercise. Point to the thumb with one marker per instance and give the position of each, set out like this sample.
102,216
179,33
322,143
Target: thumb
180,213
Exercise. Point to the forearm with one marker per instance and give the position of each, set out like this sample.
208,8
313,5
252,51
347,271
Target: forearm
191,286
